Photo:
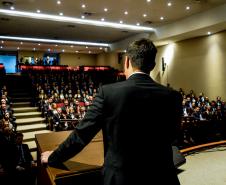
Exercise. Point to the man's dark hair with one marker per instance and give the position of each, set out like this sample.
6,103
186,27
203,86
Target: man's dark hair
142,54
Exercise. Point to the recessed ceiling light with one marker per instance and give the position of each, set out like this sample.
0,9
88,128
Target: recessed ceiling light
56,45
187,7
18,48
121,22
105,9
148,1
83,6
2,41
126,13
102,19
161,18
209,33
100,48
38,11
169,4
87,47
144,15
76,51
83,16
71,46
63,50
34,49
12,8
61,14
1,47
58,2
21,43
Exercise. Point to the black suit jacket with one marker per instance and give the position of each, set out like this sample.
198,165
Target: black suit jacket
139,120
27,156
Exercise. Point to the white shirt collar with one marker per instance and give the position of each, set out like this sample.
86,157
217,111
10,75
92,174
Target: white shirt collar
138,72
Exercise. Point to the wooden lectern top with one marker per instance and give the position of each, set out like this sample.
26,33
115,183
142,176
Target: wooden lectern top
90,159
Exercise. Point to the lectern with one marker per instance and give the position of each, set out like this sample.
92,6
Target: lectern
84,168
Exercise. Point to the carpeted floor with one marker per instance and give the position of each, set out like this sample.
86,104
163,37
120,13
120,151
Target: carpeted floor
206,167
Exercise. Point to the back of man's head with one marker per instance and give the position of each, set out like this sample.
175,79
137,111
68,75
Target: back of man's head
142,54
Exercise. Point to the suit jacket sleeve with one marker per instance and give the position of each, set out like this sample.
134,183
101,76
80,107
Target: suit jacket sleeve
83,133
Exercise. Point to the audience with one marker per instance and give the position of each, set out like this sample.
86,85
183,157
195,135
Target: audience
66,95
203,120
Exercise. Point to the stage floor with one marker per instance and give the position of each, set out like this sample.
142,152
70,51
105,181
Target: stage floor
205,167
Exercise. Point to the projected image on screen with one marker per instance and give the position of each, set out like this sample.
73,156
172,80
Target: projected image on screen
9,63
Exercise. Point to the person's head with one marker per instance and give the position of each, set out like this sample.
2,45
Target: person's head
19,138
3,106
82,109
3,101
140,57
59,110
6,127
71,110
54,106
66,103
7,116
3,96
50,99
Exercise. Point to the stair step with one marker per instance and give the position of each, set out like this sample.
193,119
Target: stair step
31,128
19,91
22,99
31,144
25,109
28,121
34,155
27,115
28,136
21,104
19,94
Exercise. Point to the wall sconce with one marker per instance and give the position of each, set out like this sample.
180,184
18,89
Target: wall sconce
163,64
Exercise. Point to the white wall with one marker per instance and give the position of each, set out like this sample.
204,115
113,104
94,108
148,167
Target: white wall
198,64
109,59
71,59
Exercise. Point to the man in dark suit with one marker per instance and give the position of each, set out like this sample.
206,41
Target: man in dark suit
25,164
138,129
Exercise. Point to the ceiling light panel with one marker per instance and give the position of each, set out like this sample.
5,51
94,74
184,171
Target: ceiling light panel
28,46
74,20
53,41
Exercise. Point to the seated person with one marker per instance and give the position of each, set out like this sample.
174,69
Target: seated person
24,162
8,151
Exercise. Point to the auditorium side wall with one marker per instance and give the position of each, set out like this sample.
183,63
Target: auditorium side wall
198,64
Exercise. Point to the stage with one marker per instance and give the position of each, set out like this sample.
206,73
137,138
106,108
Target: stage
204,167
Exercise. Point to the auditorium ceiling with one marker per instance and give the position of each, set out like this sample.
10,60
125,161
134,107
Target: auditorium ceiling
63,25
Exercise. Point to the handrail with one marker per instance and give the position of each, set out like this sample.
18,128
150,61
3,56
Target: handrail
193,148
